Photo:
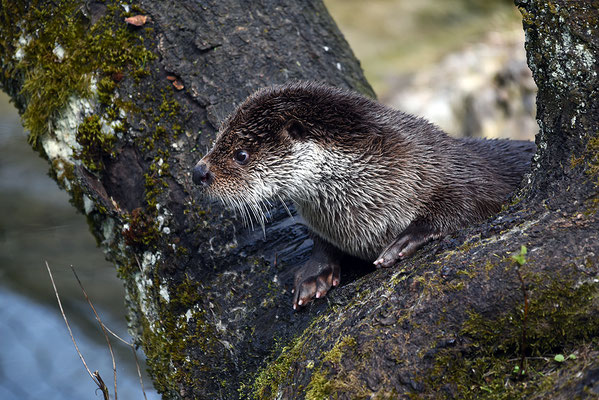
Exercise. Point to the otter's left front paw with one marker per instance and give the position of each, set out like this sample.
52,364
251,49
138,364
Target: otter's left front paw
314,280
417,234
400,248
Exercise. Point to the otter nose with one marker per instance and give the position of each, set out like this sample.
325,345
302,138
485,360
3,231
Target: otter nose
201,175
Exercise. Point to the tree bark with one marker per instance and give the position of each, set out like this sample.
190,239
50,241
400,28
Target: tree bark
123,112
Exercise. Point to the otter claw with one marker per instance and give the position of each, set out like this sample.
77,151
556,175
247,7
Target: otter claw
313,281
417,234
391,255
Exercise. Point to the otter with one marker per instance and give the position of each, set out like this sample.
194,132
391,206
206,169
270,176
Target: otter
369,181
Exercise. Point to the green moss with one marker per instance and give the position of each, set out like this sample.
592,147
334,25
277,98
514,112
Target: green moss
469,245
169,107
589,161
336,353
96,145
182,330
153,184
268,380
560,315
592,156
106,87
321,386
126,269
169,110
61,52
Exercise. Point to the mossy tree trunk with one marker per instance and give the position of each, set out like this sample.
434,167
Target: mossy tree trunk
123,112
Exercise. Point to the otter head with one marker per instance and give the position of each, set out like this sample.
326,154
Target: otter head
263,151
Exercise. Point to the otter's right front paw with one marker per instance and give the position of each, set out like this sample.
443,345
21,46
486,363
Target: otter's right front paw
314,280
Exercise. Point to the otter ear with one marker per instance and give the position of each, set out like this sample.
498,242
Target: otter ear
295,129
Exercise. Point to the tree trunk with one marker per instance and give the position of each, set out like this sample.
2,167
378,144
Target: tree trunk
122,113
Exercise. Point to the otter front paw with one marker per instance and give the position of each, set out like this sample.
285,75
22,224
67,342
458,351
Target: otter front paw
314,280
401,248
417,234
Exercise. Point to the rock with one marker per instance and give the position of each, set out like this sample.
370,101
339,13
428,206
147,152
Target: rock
484,90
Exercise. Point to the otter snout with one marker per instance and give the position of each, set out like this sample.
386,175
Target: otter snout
201,174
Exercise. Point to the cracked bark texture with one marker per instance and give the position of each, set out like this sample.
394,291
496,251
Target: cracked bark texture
210,299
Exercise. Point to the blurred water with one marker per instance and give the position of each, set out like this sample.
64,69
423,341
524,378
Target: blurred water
37,224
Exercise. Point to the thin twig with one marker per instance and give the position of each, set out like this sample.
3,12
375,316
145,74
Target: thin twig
101,326
528,358
117,336
141,381
95,376
138,263
103,386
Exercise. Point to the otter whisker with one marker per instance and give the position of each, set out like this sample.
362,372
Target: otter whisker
265,208
257,213
260,209
248,217
268,203
238,207
247,208
285,206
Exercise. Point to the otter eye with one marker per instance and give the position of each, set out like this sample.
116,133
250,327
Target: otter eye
242,157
